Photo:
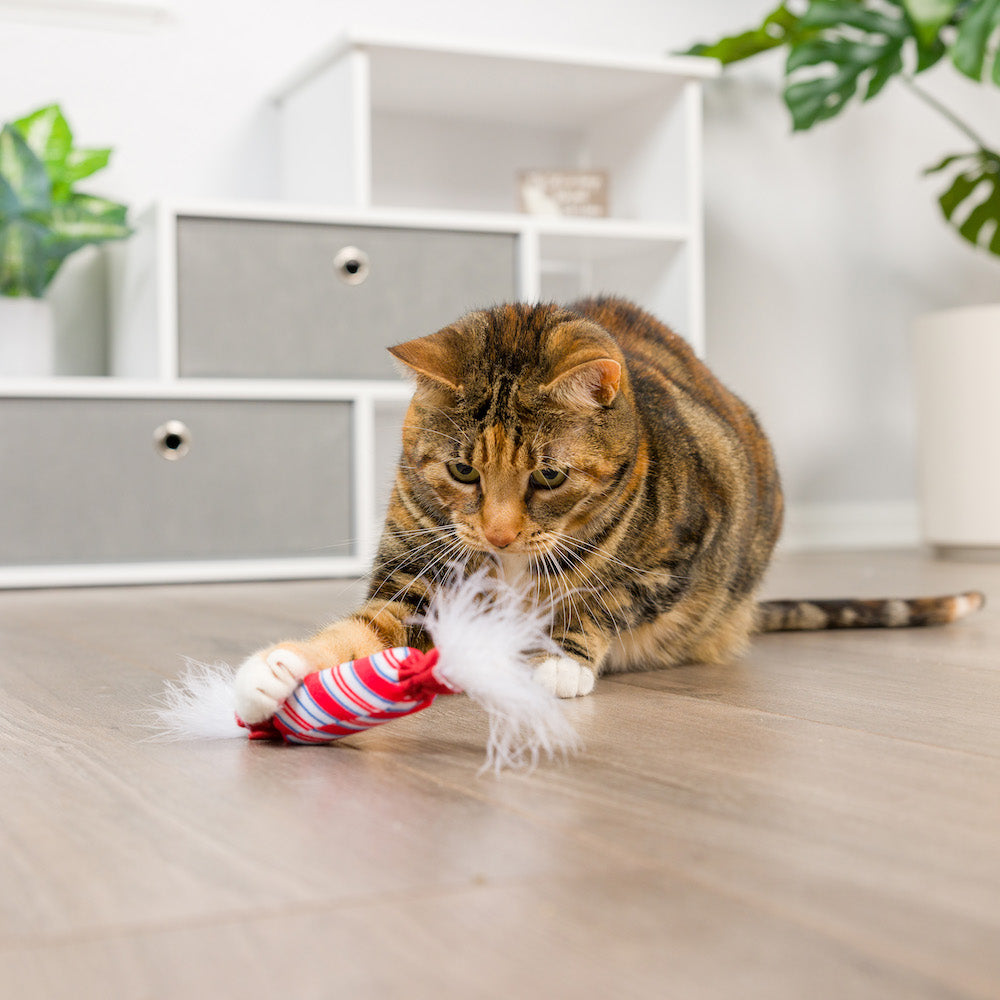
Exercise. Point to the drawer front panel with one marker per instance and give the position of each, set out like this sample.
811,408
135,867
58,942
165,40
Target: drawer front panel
83,482
262,299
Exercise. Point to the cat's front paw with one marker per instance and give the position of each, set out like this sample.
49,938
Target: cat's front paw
564,677
265,680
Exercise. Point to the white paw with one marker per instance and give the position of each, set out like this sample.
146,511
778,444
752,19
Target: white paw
564,677
264,682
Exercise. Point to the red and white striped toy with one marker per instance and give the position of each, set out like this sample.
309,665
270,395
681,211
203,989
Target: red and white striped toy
349,698
485,636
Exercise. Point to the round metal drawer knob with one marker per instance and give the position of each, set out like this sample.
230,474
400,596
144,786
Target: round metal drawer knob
172,440
351,265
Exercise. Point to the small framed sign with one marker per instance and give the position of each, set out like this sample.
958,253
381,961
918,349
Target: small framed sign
563,192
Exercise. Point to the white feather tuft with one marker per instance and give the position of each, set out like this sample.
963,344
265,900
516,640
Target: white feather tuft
488,635
199,705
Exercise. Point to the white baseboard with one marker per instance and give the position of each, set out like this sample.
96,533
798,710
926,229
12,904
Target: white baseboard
889,525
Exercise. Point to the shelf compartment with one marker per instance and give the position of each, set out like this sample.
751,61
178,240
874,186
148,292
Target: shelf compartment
378,121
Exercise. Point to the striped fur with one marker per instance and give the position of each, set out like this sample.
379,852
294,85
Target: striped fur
664,506
652,549
798,616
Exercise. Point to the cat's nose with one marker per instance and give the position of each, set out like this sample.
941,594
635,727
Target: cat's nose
500,535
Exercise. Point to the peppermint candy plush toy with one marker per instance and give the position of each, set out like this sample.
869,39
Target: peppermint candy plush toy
485,637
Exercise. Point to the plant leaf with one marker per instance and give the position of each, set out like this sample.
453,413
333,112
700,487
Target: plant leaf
82,163
976,189
10,204
949,160
969,52
823,73
48,136
780,27
76,223
928,17
928,55
838,13
823,96
24,172
99,208
42,219
885,69
22,259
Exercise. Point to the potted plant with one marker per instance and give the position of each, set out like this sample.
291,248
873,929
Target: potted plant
839,50
43,219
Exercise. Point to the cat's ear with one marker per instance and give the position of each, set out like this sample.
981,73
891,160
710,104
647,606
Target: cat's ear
589,385
437,359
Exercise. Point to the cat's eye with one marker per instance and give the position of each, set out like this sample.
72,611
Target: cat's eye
462,473
548,478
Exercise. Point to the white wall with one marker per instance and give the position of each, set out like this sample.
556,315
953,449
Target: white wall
821,247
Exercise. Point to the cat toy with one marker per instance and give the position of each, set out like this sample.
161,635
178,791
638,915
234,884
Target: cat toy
485,637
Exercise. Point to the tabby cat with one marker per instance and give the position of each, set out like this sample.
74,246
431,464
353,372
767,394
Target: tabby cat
589,453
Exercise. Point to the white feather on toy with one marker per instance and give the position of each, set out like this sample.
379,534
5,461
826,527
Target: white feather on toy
199,705
488,636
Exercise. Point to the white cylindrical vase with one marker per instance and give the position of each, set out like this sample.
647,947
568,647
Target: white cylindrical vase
27,338
957,358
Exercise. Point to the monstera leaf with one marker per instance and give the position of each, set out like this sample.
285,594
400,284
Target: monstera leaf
976,43
928,17
839,50
854,46
972,203
780,27
838,47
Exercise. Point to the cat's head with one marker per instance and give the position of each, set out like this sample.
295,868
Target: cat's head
522,430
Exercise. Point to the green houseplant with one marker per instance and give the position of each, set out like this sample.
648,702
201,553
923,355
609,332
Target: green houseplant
840,49
43,219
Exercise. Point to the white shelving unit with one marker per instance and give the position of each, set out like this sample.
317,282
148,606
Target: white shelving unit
376,123
557,258
415,146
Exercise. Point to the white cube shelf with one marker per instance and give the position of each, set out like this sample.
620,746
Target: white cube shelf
550,259
376,123
219,311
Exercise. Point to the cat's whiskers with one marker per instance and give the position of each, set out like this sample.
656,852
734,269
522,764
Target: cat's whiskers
574,542
413,532
560,594
437,566
440,563
441,541
592,584
570,601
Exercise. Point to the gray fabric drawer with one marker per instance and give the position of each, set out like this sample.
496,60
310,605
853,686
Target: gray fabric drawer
263,299
83,483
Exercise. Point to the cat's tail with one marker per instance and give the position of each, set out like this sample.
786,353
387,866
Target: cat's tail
809,616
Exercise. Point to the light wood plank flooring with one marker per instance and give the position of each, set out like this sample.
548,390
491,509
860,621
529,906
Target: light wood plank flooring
821,820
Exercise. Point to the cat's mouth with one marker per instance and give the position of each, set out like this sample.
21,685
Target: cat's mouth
535,543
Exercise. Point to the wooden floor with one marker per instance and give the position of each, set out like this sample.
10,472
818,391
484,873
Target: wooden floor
820,821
